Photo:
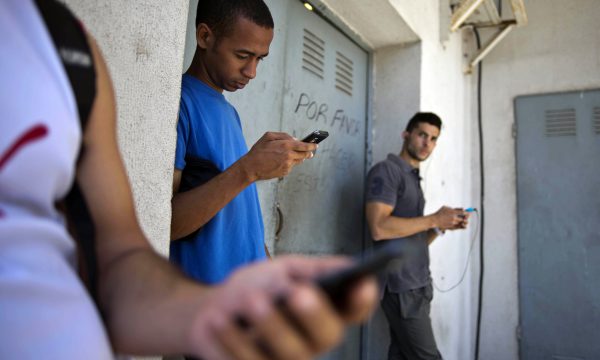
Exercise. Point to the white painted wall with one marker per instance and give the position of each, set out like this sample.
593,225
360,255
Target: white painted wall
376,22
397,95
142,42
449,181
558,51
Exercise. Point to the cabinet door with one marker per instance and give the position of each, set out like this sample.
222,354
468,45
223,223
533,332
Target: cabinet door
321,202
558,177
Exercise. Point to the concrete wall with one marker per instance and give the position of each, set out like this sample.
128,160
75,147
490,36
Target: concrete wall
143,42
558,51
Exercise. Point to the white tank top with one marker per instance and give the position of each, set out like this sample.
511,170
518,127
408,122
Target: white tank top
45,311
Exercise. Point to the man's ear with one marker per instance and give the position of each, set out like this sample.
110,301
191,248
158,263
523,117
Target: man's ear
405,135
204,36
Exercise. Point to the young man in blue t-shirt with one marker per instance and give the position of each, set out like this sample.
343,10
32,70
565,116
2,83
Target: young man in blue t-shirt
217,224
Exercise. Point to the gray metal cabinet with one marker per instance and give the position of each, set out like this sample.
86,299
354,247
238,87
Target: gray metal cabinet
558,178
320,203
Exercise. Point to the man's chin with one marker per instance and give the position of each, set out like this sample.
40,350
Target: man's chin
420,157
235,87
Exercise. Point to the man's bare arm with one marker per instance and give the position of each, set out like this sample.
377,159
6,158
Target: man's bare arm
194,208
136,286
385,226
273,156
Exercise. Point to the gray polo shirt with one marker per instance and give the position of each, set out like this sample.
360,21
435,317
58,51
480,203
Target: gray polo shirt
394,182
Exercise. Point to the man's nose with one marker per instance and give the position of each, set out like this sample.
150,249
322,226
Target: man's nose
249,70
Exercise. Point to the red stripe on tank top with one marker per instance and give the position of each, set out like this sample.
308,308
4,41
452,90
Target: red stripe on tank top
37,132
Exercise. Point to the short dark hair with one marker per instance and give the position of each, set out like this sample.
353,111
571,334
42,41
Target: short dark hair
424,117
221,15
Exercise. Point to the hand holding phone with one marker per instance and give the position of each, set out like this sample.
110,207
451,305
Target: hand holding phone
338,284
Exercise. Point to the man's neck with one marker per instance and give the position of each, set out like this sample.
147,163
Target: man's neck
414,163
198,70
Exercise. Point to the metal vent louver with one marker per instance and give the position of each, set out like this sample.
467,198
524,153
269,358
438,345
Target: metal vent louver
344,73
313,54
596,120
561,122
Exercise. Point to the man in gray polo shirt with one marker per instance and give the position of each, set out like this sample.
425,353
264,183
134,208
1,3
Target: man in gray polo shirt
394,211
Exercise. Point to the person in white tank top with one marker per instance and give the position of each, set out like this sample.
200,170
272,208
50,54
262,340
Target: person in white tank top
148,307
41,296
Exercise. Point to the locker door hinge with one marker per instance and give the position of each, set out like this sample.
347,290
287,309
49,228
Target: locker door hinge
514,130
518,333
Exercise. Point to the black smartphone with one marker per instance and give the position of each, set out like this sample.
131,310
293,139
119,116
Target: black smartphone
316,136
337,284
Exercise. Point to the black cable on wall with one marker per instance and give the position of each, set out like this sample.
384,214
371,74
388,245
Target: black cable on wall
481,205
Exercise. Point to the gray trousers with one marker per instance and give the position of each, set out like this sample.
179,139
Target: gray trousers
410,325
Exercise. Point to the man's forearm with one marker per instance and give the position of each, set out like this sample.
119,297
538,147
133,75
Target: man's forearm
194,208
141,288
392,227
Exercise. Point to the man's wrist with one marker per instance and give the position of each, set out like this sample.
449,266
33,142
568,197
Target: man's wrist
432,222
243,168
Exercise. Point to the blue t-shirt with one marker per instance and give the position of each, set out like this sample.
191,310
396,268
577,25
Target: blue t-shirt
209,128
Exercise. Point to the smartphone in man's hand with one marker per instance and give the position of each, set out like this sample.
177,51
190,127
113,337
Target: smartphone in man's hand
338,284
316,136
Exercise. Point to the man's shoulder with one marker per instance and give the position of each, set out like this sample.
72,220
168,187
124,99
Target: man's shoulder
195,98
386,166
192,94
196,88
